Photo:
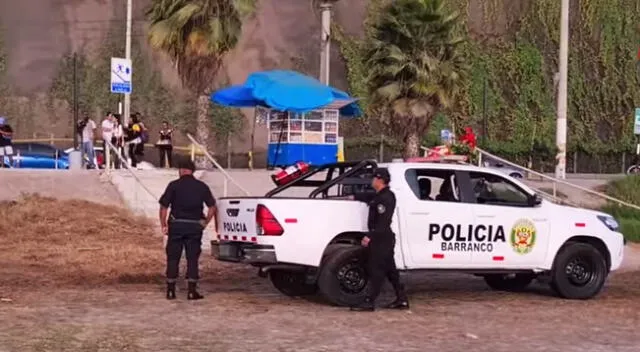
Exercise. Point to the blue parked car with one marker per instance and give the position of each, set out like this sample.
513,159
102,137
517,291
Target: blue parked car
37,156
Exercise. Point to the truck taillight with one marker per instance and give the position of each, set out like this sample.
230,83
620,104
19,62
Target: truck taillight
267,223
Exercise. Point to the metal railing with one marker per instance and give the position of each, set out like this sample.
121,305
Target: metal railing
226,175
112,149
554,181
192,149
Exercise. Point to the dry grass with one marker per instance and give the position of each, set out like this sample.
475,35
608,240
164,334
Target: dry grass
50,242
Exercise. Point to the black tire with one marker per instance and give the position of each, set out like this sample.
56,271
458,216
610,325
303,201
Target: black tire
515,175
343,278
579,271
511,283
292,283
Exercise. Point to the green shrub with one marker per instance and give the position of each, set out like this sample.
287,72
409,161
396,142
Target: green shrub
630,228
626,189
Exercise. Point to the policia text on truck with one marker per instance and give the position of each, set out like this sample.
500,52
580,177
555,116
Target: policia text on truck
185,225
447,216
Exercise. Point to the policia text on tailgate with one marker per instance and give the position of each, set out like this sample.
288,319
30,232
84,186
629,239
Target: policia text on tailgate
447,217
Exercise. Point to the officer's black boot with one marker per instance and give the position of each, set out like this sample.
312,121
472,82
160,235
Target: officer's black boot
193,294
171,290
401,301
366,306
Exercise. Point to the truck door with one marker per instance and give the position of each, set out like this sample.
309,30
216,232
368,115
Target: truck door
435,221
519,231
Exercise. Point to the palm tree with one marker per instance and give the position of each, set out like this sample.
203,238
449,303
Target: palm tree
415,64
197,34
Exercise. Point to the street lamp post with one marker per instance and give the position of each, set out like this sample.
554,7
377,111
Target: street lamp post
326,7
127,97
561,126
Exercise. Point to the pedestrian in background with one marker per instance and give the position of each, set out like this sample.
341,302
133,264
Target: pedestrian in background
134,139
165,145
6,144
107,127
118,139
144,135
86,129
186,196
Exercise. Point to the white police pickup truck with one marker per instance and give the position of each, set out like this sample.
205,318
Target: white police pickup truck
454,217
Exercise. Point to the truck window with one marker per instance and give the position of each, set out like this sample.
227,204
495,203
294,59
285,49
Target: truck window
433,184
495,190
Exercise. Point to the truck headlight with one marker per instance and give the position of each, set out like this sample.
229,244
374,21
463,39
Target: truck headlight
609,222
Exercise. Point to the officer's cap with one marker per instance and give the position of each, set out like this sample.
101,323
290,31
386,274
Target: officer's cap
187,165
382,174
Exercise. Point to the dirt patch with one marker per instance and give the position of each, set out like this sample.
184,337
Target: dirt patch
449,313
55,297
46,241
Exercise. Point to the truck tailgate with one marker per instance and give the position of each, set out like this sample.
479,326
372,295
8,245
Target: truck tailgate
237,219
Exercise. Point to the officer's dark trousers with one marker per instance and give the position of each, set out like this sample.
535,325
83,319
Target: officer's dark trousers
381,265
188,237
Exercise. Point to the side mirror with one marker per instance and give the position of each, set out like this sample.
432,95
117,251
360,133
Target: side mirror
535,200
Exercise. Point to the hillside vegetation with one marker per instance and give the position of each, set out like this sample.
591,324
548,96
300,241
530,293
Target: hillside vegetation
513,72
512,51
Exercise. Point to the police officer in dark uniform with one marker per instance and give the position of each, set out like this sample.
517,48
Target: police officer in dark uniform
380,242
185,225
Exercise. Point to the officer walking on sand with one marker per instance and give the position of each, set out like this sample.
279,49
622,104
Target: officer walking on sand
185,225
380,242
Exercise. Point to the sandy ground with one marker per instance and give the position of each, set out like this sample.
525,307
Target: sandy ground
124,309
242,312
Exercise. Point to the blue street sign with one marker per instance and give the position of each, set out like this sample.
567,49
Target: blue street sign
121,75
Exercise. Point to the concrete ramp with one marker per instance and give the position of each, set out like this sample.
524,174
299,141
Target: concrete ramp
87,185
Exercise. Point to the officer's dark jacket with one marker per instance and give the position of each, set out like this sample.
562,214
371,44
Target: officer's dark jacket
381,210
186,197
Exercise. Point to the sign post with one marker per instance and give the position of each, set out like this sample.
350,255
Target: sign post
120,75
636,131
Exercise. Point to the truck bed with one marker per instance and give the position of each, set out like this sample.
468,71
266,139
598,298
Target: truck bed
279,222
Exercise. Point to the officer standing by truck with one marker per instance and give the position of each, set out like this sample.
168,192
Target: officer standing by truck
185,225
380,242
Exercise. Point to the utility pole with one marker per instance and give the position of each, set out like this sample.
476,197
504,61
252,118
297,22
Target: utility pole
127,97
75,101
325,52
561,127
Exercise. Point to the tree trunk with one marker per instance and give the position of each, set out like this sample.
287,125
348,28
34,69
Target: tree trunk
412,145
202,133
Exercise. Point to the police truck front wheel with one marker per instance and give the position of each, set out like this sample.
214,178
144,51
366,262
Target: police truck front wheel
579,271
513,283
292,283
343,279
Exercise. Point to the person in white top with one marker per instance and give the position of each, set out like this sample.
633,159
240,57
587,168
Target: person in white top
118,139
107,126
86,129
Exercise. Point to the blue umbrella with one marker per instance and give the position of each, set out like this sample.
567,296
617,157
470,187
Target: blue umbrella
286,90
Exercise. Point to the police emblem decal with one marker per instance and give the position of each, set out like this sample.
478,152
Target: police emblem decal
523,236
381,209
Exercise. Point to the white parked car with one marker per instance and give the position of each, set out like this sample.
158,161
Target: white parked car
455,217
507,170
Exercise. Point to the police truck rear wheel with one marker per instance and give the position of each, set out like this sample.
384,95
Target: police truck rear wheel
292,283
579,271
343,279
513,283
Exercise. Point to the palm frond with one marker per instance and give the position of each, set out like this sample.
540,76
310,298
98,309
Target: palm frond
197,34
415,60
